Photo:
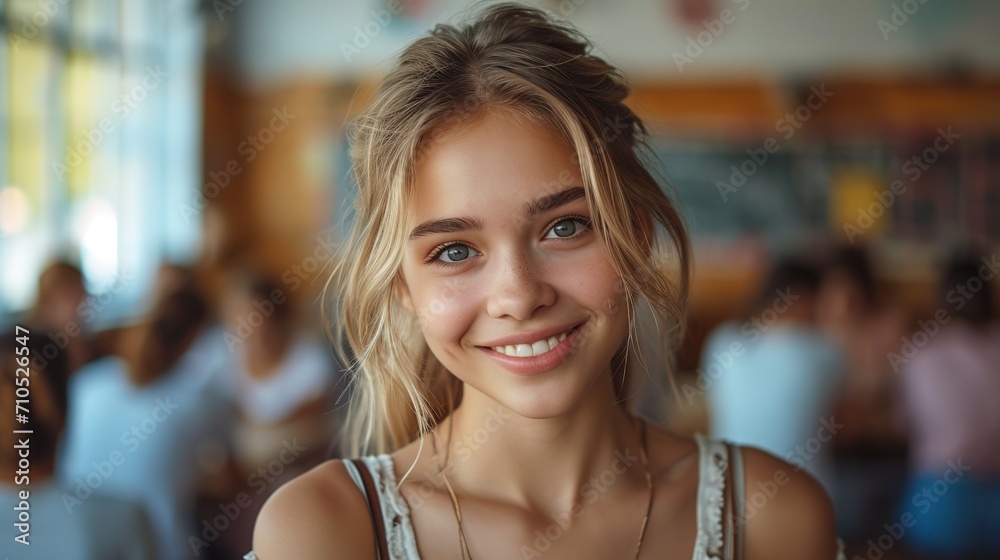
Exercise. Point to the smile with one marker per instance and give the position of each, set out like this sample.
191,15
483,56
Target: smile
536,348
538,357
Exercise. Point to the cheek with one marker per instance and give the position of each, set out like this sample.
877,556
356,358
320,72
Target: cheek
595,284
446,309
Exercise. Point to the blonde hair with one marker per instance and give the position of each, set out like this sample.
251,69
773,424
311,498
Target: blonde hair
515,59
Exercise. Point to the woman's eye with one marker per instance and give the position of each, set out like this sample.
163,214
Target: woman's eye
568,227
455,253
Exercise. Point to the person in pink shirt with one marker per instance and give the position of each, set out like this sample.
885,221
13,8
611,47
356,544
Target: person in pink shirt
950,380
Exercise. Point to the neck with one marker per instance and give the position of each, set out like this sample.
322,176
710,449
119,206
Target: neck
548,465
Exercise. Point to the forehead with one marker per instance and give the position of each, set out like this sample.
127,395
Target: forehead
489,161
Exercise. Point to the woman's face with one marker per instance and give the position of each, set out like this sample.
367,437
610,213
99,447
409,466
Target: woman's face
500,247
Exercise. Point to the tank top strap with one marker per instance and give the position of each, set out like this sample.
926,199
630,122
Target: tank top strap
352,471
395,511
719,537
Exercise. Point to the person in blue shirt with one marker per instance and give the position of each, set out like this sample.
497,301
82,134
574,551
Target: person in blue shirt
771,379
140,421
109,528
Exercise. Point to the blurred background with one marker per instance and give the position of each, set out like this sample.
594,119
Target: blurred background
174,178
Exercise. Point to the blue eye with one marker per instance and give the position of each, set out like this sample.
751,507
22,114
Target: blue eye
454,253
457,252
566,228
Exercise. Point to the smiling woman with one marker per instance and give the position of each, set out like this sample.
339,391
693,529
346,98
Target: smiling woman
506,230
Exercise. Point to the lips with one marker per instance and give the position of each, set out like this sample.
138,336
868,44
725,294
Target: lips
534,365
530,337
536,348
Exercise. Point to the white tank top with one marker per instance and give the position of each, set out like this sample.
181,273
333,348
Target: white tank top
712,465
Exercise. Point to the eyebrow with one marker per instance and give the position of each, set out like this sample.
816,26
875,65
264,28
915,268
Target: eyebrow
531,209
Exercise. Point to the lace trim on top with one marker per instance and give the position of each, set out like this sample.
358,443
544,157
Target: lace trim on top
714,462
395,511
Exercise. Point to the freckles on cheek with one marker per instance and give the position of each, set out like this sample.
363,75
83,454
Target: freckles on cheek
600,287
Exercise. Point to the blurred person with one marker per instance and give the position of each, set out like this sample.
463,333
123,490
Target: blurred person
156,412
281,383
280,378
108,528
488,300
950,386
209,346
169,278
772,379
867,328
870,448
60,308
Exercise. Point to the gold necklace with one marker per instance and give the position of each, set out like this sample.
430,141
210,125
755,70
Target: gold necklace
464,545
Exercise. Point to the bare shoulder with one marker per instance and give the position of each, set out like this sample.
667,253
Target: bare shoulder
313,515
671,454
788,513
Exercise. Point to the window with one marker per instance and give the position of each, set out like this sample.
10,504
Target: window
99,131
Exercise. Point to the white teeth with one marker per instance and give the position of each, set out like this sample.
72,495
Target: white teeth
534,349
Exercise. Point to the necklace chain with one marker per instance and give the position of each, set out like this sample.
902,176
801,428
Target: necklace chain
463,543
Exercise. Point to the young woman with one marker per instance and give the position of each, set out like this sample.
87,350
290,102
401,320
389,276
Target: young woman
505,230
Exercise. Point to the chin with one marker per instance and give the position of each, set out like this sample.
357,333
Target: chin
542,399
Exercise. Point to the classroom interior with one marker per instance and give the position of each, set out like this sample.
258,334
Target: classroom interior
150,146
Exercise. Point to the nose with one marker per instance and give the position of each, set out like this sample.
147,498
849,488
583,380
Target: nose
520,288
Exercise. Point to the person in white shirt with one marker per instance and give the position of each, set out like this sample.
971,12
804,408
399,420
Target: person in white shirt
108,527
138,423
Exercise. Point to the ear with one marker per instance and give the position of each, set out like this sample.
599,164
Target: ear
402,294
